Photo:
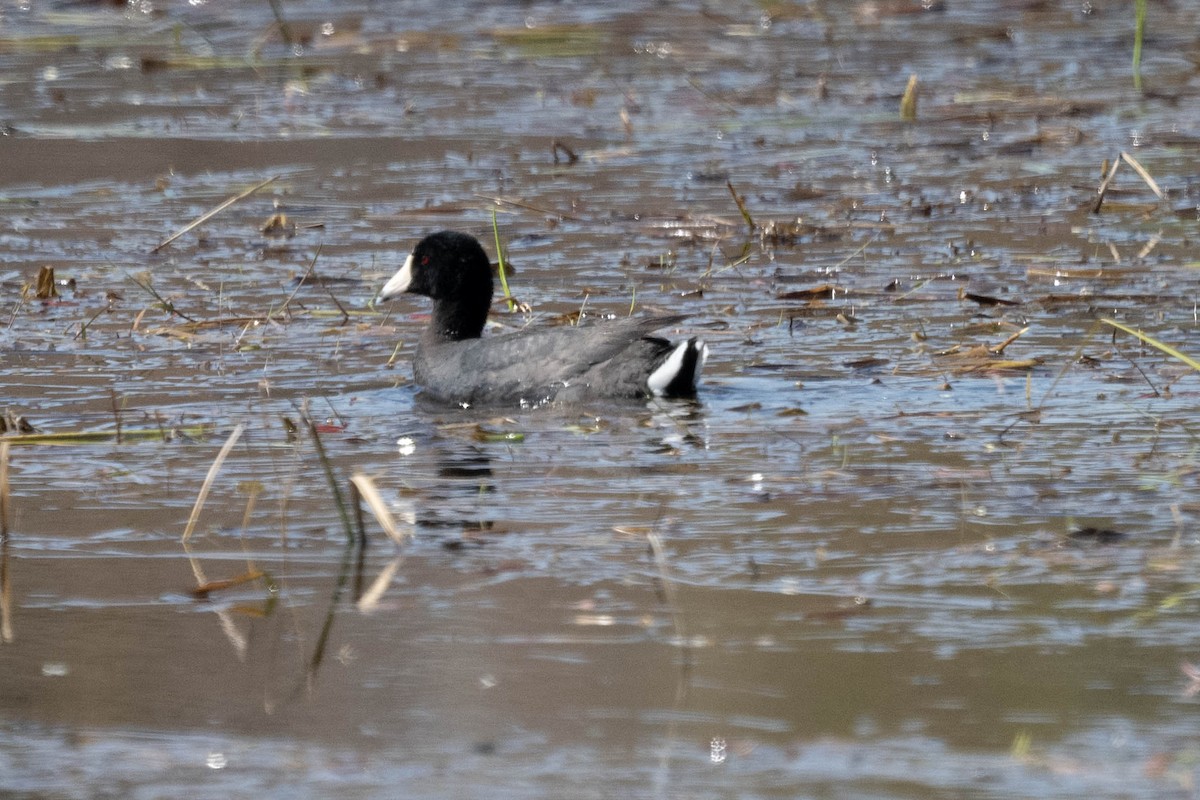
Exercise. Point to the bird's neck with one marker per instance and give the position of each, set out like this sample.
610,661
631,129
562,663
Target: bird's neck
455,320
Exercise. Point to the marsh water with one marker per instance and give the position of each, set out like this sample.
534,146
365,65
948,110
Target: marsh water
929,531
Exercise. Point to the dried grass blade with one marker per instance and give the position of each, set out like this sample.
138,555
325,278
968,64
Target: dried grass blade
366,490
1150,340
998,349
503,201
1143,174
208,481
207,215
908,102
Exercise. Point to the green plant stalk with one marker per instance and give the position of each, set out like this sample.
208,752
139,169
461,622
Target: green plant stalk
99,437
1139,30
500,260
1166,348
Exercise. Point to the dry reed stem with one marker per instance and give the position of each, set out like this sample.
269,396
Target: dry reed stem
1143,174
368,492
307,274
908,102
503,201
1112,172
208,481
1155,343
998,349
207,215
237,639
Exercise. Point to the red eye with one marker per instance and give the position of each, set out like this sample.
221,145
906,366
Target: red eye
424,261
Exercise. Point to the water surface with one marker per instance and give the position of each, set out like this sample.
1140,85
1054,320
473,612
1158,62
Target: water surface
890,565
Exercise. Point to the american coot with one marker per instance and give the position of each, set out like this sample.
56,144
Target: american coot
534,366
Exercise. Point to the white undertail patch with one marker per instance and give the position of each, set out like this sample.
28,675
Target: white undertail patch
662,377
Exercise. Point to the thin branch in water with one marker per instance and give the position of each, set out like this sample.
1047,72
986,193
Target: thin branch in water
167,305
341,308
529,207
307,274
207,215
1103,188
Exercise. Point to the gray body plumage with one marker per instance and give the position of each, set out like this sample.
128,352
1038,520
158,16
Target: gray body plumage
454,363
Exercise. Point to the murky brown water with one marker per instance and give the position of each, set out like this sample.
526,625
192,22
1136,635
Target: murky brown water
885,569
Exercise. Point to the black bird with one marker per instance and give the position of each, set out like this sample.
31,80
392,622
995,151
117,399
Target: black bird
533,367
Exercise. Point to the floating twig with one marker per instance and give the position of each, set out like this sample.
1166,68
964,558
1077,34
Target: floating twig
207,215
